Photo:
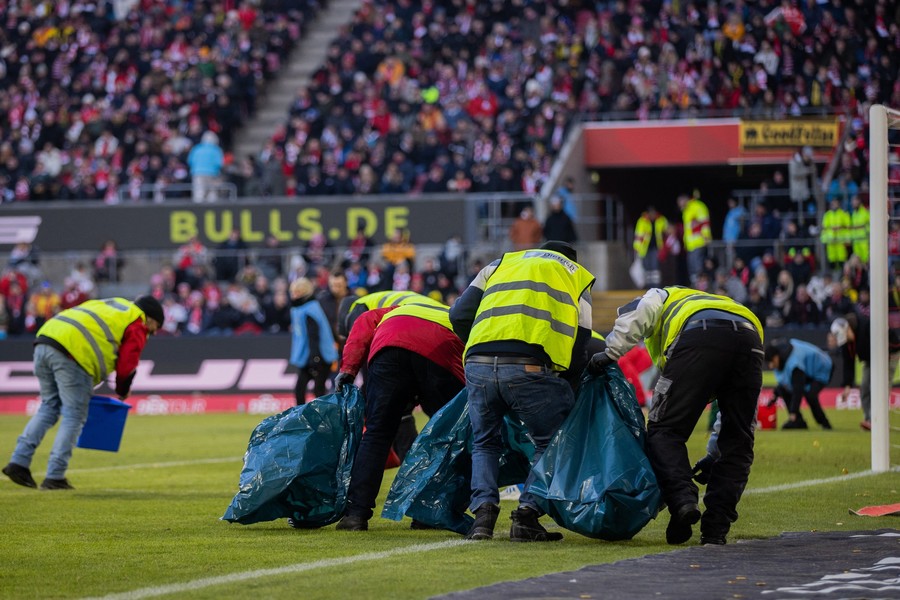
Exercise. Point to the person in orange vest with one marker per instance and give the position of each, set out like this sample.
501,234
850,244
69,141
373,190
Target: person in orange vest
697,232
649,238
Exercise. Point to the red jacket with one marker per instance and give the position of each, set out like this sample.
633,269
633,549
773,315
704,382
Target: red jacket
430,340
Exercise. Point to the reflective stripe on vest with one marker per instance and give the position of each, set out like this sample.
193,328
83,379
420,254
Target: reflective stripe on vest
545,313
677,310
436,314
392,298
92,332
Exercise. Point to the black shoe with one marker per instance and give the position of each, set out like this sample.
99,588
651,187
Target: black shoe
19,474
712,540
352,523
525,527
301,524
485,519
826,426
420,525
679,530
798,424
56,484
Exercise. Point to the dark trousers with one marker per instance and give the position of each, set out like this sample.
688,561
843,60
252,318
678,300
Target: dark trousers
316,370
397,378
811,393
407,433
717,363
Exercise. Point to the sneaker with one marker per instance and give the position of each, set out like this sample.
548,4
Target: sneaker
712,540
525,527
679,529
866,425
420,525
20,475
301,524
798,424
352,523
56,484
485,519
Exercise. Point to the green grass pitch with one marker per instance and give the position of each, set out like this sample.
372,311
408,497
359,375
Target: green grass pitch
148,517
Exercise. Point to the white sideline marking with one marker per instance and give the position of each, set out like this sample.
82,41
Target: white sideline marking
160,465
811,482
176,588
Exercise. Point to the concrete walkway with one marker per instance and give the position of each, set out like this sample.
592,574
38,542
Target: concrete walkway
303,61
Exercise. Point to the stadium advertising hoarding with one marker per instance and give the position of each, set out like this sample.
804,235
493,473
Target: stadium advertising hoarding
708,142
213,374
178,375
68,226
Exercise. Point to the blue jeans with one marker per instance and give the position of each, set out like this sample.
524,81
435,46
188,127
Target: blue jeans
535,394
66,389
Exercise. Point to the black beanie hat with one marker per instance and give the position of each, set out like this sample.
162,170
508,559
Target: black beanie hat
564,248
151,307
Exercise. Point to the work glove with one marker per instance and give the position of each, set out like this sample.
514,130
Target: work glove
703,468
598,363
123,385
342,380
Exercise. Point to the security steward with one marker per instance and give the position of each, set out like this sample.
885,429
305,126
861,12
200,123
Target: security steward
526,321
350,309
74,352
706,347
413,358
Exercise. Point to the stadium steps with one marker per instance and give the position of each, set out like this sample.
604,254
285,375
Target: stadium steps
310,52
606,303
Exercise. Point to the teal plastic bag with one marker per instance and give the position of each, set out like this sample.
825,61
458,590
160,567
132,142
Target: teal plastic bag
433,485
298,463
594,478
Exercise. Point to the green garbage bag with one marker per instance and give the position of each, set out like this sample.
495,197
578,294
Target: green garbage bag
433,485
594,478
298,463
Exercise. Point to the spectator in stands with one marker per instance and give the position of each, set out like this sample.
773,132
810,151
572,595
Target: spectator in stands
269,259
72,294
558,225
16,308
803,311
330,298
399,249
733,227
526,231
206,160
842,188
108,263
837,304
728,284
193,253
802,177
318,252
566,192
782,296
24,258
799,266
359,248
230,256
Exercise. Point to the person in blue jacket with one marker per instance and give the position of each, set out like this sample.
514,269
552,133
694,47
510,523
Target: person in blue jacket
801,370
313,350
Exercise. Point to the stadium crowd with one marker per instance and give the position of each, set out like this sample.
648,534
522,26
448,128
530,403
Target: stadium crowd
449,95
